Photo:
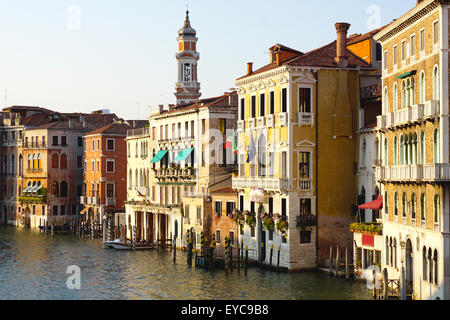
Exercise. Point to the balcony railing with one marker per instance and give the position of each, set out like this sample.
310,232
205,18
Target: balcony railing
260,122
174,174
241,125
268,184
428,172
251,124
408,115
34,145
305,184
305,119
138,132
371,91
111,202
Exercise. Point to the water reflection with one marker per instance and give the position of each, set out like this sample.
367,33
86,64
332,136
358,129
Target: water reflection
33,266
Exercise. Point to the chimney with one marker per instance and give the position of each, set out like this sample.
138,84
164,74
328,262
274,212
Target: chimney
249,68
419,1
161,108
341,44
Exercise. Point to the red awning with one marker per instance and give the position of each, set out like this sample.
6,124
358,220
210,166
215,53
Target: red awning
374,205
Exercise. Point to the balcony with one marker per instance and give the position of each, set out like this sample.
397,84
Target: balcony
34,145
417,112
428,172
436,172
260,122
305,184
111,202
305,119
138,132
381,122
432,109
82,200
270,122
175,174
267,184
89,200
241,125
282,119
251,124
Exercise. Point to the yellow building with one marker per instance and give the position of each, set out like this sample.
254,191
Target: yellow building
297,146
413,170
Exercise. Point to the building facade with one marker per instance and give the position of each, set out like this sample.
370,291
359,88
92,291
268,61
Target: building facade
297,121
413,169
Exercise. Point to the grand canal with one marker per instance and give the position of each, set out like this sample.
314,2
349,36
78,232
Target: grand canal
33,266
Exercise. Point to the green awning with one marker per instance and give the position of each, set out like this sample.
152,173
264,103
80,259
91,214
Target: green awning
411,73
184,154
159,156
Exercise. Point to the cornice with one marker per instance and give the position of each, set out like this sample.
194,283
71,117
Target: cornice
408,19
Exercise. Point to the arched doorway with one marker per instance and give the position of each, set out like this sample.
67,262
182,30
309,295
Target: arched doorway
409,269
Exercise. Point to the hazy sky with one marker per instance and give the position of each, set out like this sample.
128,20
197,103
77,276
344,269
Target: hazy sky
120,54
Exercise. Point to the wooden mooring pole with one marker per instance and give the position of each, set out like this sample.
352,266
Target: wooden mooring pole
174,248
336,272
331,260
271,256
347,269
246,260
278,262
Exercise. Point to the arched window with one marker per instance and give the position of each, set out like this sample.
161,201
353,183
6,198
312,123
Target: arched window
391,247
424,264
39,161
436,146
395,152
403,94
411,92
414,151
423,207
262,156
386,153
422,88
385,101
395,252
404,205
436,267
34,161
395,97
387,251
55,161
386,203
363,153
130,180
5,164
402,151
396,203
430,266
20,165
437,205
406,149
413,206
63,162
422,147
64,190
13,165
55,189
435,83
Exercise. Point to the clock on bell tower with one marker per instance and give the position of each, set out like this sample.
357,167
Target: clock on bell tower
187,87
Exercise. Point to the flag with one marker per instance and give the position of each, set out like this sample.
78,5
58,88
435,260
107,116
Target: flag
251,149
235,149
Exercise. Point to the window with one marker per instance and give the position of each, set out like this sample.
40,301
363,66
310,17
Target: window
262,105
110,144
436,32
404,205
93,145
304,165
203,126
422,88
437,205
284,100
378,51
413,206
253,115
241,203
55,161
304,100
79,162
55,210
92,166
63,162
199,212
272,102
305,236
98,144
422,148
394,55
284,164
394,98
80,141
436,146
218,208
422,40
218,239
98,165
55,140
396,204
305,206
412,46
423,208
230,207
436,267
386,203
435,83
403,50
424,264
395,152
242,109
110,166
232,238
385,61
63,210
64,190
64,141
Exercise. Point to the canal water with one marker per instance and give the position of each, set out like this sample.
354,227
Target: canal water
33,266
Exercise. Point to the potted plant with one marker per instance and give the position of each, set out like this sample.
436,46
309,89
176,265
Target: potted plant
282,226
268,223
238,217
250,219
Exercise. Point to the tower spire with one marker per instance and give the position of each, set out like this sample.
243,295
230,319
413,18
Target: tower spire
187,88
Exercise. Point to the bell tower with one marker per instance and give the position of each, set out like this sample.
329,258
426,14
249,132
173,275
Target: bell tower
187,87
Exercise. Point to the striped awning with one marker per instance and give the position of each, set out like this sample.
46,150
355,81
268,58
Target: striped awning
159,156
411,73
184,154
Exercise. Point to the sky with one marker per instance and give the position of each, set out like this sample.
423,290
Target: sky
86,55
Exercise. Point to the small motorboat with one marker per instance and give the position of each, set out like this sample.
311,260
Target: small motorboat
138,246
109,244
